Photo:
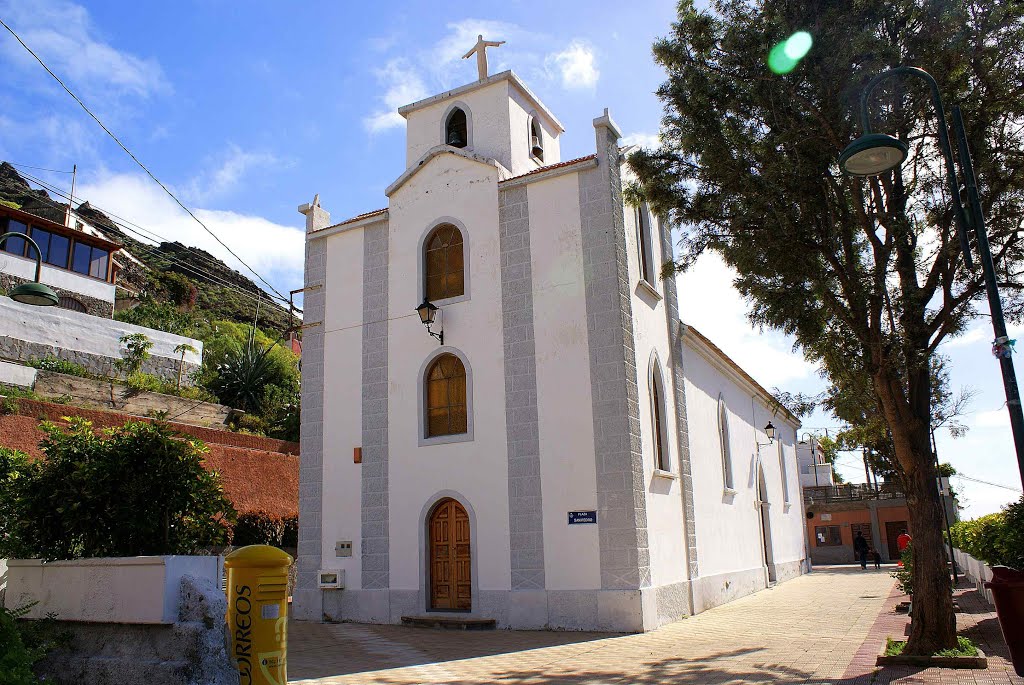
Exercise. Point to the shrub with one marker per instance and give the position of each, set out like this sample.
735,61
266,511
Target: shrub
996,539
135,350
290,537
60,366
258,528
148,382
251,424
905,575
24,643
135,490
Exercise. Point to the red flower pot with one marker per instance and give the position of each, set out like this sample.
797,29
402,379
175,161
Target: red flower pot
1007,586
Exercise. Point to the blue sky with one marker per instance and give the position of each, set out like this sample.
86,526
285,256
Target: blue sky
248,109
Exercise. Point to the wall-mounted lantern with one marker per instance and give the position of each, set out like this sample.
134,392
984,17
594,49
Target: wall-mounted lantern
769,430
34,293
427,312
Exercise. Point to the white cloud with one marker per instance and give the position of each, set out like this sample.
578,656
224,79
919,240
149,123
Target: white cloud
274,250
649,141
227,174
576,64
708,302
62,34
402,86
994,418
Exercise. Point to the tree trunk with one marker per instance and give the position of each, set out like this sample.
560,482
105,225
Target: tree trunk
934,624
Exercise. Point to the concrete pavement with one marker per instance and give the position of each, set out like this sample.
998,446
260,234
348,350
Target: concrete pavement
819,628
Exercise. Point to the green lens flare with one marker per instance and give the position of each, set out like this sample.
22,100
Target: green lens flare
798,45
784,57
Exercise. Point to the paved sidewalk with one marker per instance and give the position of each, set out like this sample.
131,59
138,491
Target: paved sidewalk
807,630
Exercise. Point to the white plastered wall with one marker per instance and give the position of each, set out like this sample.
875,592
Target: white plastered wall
343,339
564,404
447,186
665,517
487,107
730,552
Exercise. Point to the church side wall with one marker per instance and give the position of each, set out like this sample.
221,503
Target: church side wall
567,468
488,112
731,552
474,471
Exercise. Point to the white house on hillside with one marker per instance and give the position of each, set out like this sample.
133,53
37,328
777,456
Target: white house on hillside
572,456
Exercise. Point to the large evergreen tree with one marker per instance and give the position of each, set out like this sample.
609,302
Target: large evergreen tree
865,274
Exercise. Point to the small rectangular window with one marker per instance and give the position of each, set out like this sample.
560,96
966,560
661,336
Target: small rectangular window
827,536
16,245
42,239
80,258
58,252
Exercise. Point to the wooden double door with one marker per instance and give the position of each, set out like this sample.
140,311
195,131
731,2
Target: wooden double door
450,583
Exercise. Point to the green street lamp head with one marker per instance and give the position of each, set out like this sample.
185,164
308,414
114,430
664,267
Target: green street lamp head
873,154
37,294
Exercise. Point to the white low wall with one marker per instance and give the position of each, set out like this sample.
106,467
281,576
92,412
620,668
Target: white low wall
976,571
132,590
16,374
66,329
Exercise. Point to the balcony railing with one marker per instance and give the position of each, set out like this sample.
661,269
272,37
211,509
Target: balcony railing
851,492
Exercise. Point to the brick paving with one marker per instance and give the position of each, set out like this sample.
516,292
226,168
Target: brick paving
822,628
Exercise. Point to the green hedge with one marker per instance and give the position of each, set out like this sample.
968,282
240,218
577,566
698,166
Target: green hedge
261,528
996,539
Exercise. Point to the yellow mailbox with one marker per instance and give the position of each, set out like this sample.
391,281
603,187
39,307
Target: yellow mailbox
258,613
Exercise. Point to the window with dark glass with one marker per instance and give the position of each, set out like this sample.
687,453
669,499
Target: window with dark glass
16,245
57,254
827,536
643,243
660,454
444,264
42,239
456,129
80,258
446,397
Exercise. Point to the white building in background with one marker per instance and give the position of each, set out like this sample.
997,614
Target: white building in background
572,456
814,470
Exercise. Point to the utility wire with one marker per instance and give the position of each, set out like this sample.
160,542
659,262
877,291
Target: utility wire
141,165
39,168
156,251
145,234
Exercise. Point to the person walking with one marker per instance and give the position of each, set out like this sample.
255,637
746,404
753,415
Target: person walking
860,549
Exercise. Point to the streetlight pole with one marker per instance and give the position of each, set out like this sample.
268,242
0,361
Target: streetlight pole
875,153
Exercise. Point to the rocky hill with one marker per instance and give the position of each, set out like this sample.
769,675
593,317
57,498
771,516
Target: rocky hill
217,285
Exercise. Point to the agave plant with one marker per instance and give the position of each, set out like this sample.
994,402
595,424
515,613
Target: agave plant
242,376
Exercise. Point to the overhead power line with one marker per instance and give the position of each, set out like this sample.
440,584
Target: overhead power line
137,161
144,233
157,251
39,168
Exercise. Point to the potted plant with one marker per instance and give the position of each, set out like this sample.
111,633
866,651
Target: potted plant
1007,584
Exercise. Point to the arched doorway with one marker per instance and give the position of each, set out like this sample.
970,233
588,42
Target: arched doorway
764,509
448,537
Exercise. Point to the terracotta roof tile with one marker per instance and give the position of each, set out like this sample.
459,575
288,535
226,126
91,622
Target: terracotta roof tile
358,217
549,167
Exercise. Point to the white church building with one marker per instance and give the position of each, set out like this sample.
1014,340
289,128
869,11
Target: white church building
557,450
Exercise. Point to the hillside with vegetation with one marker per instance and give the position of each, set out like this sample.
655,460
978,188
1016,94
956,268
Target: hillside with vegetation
248,363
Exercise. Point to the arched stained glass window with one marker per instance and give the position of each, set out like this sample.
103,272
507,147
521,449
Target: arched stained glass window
446,397
443,257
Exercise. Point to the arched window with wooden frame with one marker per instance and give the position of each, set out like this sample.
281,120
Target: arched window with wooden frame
723,437
456,128
447,411
444,263
659,426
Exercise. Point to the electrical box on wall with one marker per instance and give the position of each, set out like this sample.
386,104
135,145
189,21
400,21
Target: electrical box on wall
332,579
343,548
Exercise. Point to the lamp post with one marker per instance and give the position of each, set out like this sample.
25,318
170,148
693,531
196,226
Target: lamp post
34,293
876,153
